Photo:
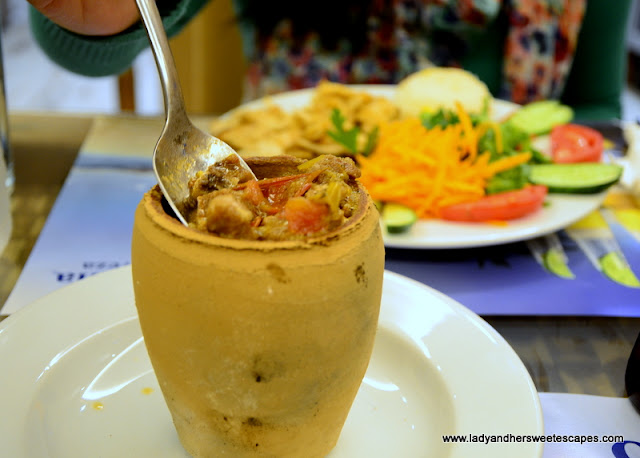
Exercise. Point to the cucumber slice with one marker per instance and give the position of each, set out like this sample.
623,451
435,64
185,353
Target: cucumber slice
398,218
581,178
538,118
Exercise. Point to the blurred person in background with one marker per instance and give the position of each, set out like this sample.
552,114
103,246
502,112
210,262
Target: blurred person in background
524,50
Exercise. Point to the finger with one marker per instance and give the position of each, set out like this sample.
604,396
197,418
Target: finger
90,17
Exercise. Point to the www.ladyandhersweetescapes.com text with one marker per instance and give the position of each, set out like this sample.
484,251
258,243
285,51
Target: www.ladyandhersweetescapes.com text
523,438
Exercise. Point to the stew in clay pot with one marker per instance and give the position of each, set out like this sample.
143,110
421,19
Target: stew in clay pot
260,317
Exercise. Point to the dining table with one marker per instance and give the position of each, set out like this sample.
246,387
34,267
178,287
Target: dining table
577,354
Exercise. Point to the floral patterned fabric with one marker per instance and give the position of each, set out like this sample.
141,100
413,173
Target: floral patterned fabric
540,44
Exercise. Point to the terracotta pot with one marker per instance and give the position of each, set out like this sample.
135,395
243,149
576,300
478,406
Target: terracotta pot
259,347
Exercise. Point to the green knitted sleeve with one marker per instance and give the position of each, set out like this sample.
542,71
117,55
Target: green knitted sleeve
109,55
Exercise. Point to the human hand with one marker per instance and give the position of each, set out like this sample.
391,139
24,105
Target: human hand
90,17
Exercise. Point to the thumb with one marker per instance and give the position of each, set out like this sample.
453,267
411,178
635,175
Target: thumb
90,17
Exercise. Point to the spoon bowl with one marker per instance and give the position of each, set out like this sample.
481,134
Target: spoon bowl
182,149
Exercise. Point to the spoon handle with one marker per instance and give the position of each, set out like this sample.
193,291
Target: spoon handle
173,99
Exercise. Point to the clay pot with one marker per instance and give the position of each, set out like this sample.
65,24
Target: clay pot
259,347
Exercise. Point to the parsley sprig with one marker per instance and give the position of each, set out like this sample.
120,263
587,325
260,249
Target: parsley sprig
348,138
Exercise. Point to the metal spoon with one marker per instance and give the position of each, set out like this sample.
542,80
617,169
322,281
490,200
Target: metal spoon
182,149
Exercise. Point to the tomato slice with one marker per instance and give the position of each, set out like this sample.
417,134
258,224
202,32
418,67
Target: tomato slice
573,143
499,207
305,216
253,193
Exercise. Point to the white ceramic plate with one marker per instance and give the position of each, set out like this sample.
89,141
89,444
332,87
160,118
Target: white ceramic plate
562,210
75,380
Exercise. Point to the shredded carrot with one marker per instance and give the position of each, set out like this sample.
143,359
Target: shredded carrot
468,133
497,222
427,169
486,125
507,163
498,132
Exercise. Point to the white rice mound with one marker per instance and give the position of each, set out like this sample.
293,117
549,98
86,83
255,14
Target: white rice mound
441,87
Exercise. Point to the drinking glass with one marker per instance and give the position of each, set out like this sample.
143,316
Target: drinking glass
6,161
